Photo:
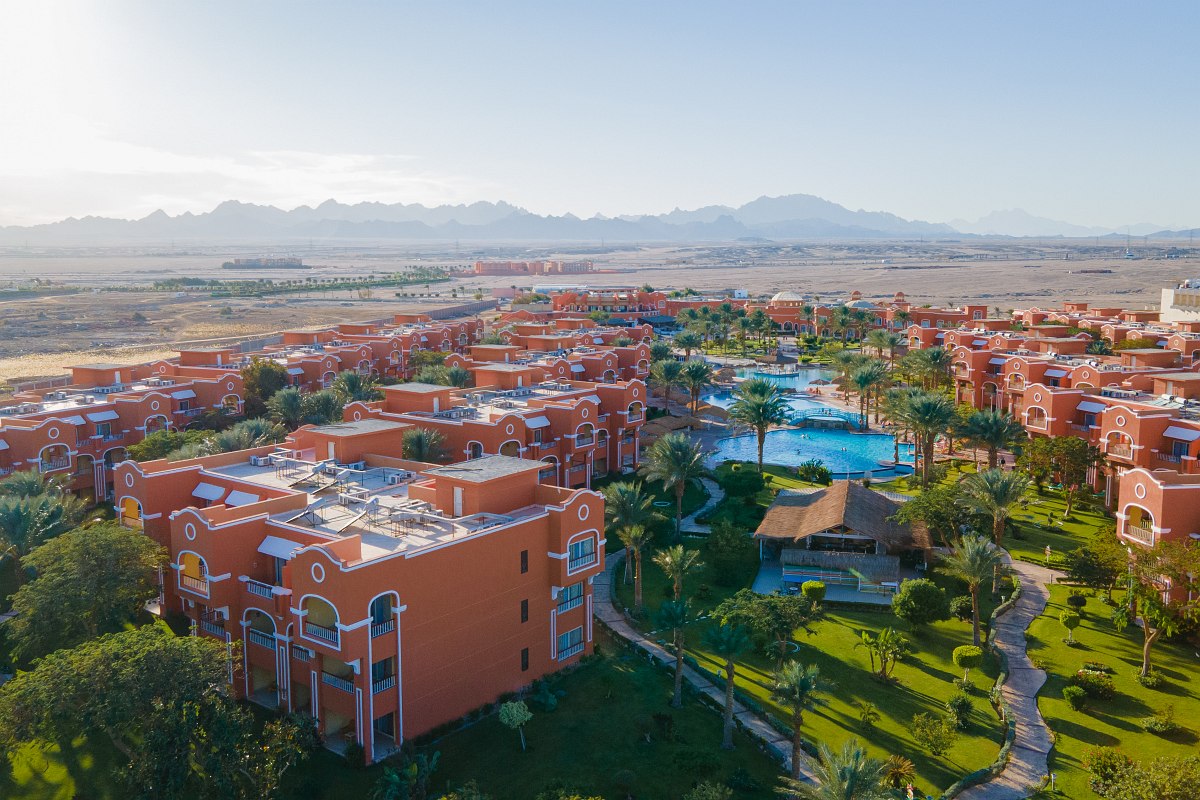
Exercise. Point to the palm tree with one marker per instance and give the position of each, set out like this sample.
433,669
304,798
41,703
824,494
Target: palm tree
423,444
673,614
898,771
675,461
666,373
882,341
636,539
696,375
973,561
245,435
350,387
939,361
797,686
994,431
688,341
626,505
287,407
866,379
929,416
846,775
994,493
459,377
759,404
30,483
728,642
322,408
677,561
26,522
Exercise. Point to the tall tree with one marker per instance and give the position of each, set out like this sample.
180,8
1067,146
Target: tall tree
973,560
845,775
928,416
993,431
728,642
636,539
287,408
797,687
688,341
86,582
261,379
1100,562
423,444
884,342
994,494
675,614
674,460
758,403
1073,459
1164,593
26,522
322,408
696,377
773,618
666,374
352,387
677,561
626,504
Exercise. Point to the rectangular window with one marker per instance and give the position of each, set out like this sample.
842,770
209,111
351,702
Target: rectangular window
570,643
570,597
582,553
524,611
104,429
524,561
383,669
1179,449
525,660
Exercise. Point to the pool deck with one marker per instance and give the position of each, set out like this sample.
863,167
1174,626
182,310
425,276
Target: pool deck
770,580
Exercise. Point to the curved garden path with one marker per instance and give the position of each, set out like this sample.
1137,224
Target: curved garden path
715,495
606,612
1027,760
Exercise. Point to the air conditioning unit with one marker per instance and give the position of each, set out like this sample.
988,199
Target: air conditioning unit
260,461
358,465
88,399
396,478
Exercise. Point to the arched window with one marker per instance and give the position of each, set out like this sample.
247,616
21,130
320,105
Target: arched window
131,513
320,621
193,573
156,423
635,412
53,457
1036,418
327,379
231,403
511,448
584,435
474,450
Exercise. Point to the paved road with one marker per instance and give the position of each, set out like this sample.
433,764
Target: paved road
615,620
1028,756
715,495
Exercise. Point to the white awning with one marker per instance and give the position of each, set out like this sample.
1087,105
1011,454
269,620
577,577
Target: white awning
237,498
103,416
279,548
1183,434
1056,373
295,371
208,491
597,340
3,445
183,394
998,361
537,422
979,342
1091,407
74,419
578,368
593,397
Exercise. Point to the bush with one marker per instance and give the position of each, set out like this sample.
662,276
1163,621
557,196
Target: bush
919,602
1151,680
741,780
1105,764
961,608
1075,697
354,755
814,471
959,707
1097,666
967,657
744,483
1077,601
935,735
709,791
813,591
1096,684
1162,723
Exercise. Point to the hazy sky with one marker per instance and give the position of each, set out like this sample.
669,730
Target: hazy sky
1082,111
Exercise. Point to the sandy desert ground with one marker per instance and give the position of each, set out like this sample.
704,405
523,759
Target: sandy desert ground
40,336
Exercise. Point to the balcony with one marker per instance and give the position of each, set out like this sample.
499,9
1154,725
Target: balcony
573,650
260,638
380,628
1120,451
1138,533
190,412
302,653
1168,458
329,635
198,585
260,589
58,463
580,562
213,627
383,684
337,682
1080,428
584,441
567,605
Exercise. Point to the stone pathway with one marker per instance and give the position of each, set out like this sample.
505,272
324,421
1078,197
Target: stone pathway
1028,756
715,495
607,613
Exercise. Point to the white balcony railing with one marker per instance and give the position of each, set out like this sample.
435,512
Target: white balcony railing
567,605
1169,458
302,653
383,684
337,682
329,635
259,588
380,628
1120,450
1143,535
195,584
211,627
261,639
579,562
53,464
574,649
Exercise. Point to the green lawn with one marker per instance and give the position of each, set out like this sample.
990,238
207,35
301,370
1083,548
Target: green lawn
1110,723
746,513
693,498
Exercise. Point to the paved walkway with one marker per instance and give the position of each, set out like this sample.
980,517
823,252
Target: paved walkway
715,495
1027,758
607,613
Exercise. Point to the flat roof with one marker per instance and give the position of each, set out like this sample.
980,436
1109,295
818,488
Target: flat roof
495,346
416,387
1176,376
358,427
484,469
503,366
100,365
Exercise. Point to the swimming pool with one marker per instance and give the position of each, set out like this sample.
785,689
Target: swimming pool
845,454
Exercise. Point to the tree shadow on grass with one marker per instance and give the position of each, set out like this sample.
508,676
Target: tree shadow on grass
1084,733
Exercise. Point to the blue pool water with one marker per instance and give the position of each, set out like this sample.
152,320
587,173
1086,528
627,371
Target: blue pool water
843,452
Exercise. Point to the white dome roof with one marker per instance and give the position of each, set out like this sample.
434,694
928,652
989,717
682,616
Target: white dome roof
861,304
788,297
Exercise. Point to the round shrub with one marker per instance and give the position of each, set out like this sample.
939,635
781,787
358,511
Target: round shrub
1095,684
1070,621
1151,680
813,591
920,601
1075,696
1077,601
959,707
967,658
961,608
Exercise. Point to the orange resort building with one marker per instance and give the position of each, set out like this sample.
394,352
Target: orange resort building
382,597
793,312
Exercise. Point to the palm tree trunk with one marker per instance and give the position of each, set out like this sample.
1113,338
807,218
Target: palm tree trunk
997,536
727,732
679,488
762,440
993,454
677,698
975,614
637,580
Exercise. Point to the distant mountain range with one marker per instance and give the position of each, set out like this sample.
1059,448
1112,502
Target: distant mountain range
797,216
